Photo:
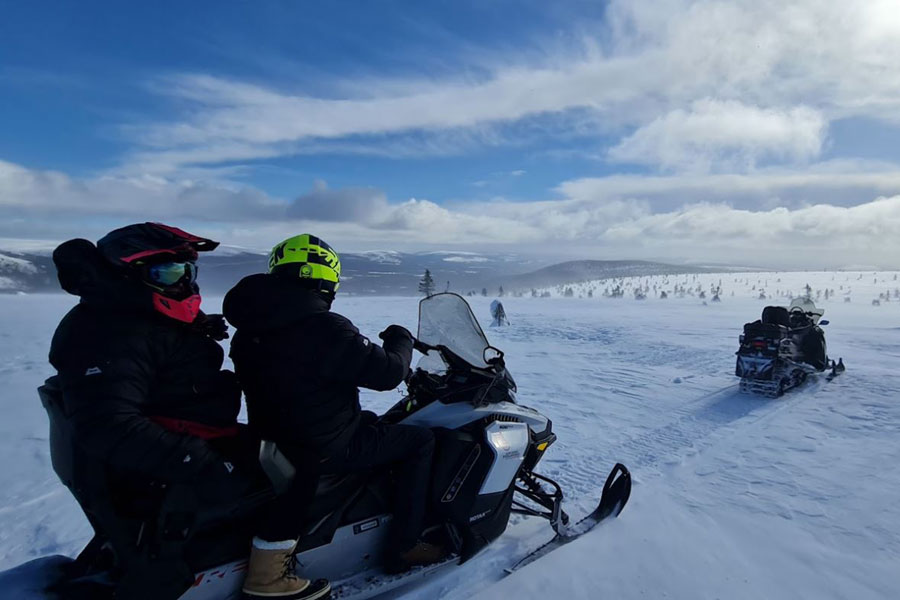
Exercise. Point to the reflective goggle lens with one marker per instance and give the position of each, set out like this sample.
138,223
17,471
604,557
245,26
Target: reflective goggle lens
171,273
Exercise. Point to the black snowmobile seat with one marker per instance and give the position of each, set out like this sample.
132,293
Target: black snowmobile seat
333,491
768,331
776,315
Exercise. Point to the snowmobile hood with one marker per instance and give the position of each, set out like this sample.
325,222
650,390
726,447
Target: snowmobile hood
82,271
264,302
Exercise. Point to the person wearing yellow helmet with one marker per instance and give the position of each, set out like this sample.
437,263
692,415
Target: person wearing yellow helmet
301,366
309,259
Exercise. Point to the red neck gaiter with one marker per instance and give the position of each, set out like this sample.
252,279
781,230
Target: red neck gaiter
181,310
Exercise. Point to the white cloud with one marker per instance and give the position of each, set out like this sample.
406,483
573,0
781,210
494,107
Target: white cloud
837,182
426,222
788,67
726,135
50,194
732,99
615,217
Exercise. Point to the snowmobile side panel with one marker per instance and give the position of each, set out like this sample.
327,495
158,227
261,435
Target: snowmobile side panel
461,464
489,520
354,548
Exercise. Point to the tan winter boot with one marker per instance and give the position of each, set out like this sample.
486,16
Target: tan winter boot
270,574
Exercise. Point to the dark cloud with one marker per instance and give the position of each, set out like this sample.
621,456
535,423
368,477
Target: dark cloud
350,204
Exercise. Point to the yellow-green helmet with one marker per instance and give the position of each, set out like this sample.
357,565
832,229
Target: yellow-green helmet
309,258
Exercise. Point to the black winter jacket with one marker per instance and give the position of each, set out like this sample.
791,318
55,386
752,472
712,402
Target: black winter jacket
301,365
120,364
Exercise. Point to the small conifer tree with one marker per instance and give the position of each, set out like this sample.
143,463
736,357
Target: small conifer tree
426,286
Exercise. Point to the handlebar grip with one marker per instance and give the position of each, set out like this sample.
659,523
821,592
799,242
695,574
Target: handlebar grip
421,346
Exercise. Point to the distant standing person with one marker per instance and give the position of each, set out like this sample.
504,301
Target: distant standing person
498,314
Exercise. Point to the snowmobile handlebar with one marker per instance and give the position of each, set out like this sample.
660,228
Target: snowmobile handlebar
423,347
454,360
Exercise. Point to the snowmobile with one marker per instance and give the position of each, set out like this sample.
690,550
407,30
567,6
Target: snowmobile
780,350
487,449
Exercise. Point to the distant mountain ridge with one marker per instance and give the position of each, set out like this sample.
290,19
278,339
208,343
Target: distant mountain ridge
26,273
576,271
374,273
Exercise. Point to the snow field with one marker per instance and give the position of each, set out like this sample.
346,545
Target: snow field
734,497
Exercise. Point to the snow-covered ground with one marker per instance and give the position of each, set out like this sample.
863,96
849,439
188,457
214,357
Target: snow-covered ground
734,496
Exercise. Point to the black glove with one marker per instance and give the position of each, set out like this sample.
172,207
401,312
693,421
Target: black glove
396,333
220,482
213,326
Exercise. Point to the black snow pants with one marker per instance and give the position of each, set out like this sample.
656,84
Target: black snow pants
409,450
279,520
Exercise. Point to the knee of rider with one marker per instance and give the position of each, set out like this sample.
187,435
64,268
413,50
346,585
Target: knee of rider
427,440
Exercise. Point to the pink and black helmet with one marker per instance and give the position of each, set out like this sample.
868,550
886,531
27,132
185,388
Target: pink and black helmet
144,243
134,247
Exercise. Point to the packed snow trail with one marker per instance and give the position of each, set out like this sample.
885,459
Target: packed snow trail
800,503
734,497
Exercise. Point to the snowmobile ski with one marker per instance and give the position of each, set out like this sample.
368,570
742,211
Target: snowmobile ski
616,492
836,369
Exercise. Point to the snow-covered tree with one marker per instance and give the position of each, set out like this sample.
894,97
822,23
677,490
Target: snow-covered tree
426,286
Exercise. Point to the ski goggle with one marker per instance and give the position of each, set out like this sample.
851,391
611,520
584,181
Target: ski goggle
170,273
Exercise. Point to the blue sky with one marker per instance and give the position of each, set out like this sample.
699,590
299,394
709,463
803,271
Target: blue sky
75,73
684,130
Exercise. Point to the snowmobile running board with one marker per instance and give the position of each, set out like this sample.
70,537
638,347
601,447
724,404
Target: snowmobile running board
616,492
374,583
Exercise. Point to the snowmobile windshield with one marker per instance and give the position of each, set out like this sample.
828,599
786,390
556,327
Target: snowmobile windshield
447,320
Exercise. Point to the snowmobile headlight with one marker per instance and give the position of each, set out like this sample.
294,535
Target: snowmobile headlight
498,441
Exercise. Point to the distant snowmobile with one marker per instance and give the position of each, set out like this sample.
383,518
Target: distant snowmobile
781,349
487,447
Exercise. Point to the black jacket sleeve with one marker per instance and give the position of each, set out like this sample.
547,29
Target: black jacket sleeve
105,394
350,356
